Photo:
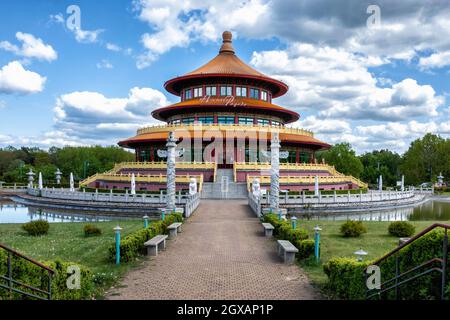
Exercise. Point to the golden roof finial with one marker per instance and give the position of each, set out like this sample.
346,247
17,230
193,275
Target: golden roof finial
227,45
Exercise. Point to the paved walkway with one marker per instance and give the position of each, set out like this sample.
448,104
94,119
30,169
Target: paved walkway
221,254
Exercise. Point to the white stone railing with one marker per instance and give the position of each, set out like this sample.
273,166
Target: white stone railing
192,204
255,204
371,196
66,194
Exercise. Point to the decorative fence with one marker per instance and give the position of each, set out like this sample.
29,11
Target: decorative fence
187,201
341,201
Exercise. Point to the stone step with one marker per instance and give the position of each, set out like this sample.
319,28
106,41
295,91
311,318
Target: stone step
217,191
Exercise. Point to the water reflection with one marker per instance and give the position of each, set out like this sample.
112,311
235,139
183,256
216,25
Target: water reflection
430,211
11,212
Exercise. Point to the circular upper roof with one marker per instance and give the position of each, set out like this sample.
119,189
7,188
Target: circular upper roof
226,64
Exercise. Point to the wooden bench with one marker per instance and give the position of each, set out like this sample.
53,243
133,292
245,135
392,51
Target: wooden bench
287,251
174,228
268,229
155,244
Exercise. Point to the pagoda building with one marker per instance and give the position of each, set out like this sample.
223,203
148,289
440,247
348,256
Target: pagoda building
224,122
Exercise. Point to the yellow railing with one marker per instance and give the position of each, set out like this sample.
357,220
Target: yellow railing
142,178
307,180
253,166
163,165
224,127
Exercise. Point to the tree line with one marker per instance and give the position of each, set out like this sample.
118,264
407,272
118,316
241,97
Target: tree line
422,162
81,161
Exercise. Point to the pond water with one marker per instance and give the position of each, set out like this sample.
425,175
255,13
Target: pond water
11,212
433,210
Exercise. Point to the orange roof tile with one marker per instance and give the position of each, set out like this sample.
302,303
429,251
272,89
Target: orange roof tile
284,137
226,102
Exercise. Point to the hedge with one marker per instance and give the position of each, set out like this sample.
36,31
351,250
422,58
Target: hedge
132,245
30,274
346,278
298,237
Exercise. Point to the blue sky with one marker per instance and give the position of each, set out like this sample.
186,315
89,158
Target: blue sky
378,87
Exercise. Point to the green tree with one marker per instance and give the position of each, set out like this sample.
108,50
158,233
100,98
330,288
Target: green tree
344,159
381,162
425,159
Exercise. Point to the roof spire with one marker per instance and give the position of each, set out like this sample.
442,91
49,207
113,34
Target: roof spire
227,46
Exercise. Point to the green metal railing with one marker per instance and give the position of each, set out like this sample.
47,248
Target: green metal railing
8,283
435,265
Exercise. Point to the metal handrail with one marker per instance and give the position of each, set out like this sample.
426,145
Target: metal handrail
417,236
443,261
10,286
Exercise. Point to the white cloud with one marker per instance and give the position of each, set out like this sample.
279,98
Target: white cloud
87,36
82,36
15,79
104,64
178,23
324,126
335,83
92,116
436,60
113,47
31,47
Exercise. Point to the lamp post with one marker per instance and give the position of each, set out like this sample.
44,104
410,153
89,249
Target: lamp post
30,175
280,215
58,174
294,222
360,254
145,221
317,230
117,231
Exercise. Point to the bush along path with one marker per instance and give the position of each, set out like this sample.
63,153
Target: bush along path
221,253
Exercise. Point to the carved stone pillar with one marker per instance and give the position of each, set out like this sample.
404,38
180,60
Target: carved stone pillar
171,145
275,172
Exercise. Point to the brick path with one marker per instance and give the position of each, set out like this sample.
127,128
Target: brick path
221,254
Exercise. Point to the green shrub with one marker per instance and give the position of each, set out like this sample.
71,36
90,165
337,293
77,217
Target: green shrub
401,229
413,255
36,228
91,230
132,245
298,237
305,248
32,275
346,278
353,229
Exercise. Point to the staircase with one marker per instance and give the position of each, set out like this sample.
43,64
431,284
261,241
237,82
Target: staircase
224,187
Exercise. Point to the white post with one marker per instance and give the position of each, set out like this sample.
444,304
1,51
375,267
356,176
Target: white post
40,182
133,184
72,184
171,187
316,186
380,183
403,183
275,171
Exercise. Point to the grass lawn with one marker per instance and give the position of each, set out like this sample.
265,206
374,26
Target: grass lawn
66,241
376,242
